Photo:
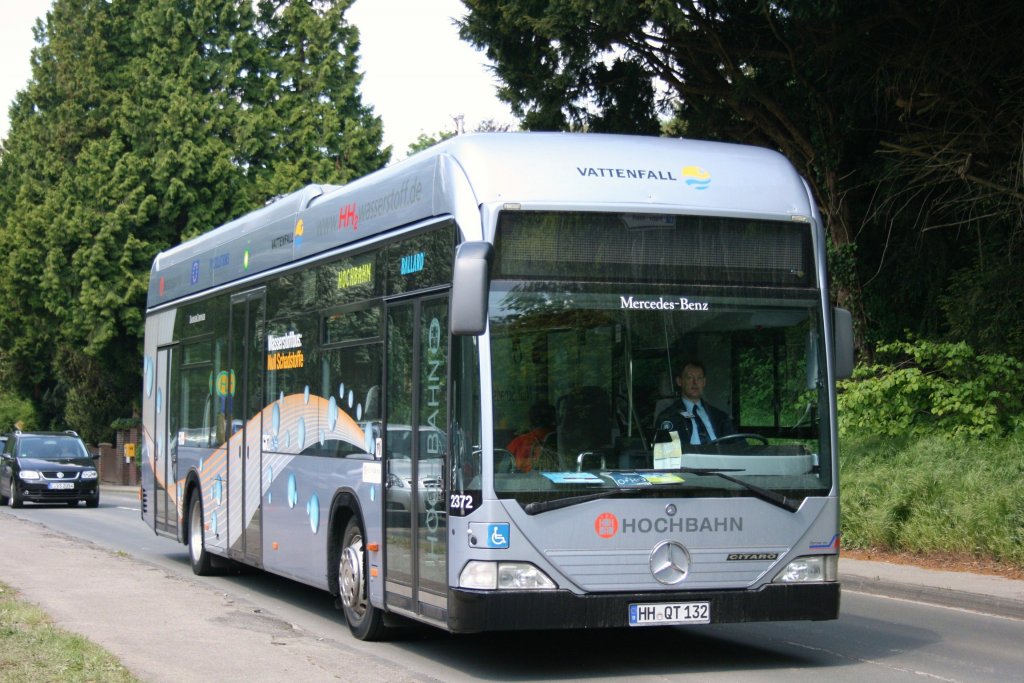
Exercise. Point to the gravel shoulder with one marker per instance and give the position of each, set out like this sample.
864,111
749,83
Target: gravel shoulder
200,634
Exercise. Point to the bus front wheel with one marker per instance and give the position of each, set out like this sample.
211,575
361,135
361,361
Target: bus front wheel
364,620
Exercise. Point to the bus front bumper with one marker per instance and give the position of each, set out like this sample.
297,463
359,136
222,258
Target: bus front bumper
477,611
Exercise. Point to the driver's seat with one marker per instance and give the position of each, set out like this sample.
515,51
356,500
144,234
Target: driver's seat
584,420
667,395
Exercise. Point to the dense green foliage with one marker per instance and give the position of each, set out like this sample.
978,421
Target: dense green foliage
17,411
935,494
921,387
905,117
932,452
146,123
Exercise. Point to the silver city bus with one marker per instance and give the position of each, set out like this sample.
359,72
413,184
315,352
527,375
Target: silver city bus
452,390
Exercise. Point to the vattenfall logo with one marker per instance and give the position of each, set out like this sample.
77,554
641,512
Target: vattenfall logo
694,176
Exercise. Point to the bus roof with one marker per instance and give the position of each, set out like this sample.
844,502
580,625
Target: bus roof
583,171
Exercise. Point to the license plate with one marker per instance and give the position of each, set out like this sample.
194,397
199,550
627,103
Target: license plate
664,613
63,485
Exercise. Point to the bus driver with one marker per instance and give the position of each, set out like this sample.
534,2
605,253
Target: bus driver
696,420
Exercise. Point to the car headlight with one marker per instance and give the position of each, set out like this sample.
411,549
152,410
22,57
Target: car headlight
810,569
481,575
29,475
90,474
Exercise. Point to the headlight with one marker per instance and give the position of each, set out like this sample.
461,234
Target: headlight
90,474
29,474
814,568
504,576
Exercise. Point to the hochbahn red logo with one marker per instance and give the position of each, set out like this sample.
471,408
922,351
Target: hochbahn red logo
348,217
606,525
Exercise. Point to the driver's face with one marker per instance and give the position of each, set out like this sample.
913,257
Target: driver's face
691,381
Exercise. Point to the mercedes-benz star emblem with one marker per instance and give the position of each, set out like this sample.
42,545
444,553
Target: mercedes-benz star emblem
670,562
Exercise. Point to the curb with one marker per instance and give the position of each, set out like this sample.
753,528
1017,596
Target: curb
944,597
119,488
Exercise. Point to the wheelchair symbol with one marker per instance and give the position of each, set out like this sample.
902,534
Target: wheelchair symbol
497,536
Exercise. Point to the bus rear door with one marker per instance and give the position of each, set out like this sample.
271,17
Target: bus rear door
244,447
165,518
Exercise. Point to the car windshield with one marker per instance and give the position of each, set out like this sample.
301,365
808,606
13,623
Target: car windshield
51,448
589,380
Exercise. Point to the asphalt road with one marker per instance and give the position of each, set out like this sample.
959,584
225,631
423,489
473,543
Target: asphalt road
103,573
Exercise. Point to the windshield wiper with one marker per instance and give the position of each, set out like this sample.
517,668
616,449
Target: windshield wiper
784,502
539,506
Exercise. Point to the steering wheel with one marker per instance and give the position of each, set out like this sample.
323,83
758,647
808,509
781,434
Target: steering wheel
737,437
504,461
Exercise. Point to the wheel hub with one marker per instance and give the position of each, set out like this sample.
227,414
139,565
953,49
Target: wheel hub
196,528
351,577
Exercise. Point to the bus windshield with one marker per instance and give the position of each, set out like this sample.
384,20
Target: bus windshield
612,376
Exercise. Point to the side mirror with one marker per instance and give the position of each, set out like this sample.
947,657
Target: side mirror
842,325
470,287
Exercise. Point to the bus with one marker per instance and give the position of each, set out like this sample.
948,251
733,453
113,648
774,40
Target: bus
333,385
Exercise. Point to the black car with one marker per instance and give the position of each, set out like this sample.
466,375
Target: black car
48,467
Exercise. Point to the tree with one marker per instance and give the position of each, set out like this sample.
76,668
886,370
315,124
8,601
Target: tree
948,196
314,126
867,99
425,141
16,412
146,123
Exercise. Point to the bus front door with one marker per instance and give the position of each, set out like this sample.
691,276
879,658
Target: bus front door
245,454
415,446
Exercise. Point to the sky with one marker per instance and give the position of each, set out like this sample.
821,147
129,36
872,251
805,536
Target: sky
418,88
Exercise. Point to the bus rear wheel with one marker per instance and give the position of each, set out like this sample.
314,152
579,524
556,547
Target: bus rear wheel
202,564
364,620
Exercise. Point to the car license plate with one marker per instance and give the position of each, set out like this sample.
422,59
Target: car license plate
663,613
62,485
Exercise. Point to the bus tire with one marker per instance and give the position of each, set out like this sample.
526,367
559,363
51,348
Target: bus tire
364,620
202,564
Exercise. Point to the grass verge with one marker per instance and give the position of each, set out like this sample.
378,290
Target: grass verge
935,494
32,649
